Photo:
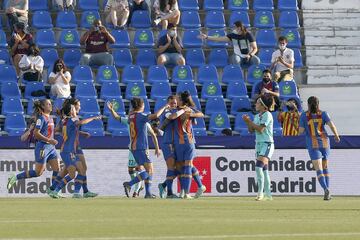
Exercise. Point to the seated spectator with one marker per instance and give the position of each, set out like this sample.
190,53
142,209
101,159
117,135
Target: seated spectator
166,12
137,5
96,42
169,47
32,64
289,118
20,42
267,87
59,79
17,11
117,13
282,61
62,5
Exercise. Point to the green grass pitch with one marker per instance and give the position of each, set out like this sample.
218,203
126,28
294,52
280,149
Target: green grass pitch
205,218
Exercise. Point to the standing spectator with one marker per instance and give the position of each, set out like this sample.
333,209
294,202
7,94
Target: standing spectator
17,11
20,42
267,87
166,12
62,5
32,64
169,47
290,118
282,61
59,79
117,13
96,47
136,5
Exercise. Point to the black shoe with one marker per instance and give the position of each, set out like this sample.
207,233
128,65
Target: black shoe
327,195
127,188
151,196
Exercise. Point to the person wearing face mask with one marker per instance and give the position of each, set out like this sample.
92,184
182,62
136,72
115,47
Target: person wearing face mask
267,87
169,48
59,79
282,61
32,64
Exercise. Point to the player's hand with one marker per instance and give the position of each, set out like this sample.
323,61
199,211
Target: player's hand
157,152
109,105
337,138
246,118
203,36
53,141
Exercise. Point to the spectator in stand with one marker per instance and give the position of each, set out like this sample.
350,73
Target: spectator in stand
166,12
289,118
32,64
20,42
96,42
282,61
62,5
117,13
59,79
267,87
137,5
169,47
17,11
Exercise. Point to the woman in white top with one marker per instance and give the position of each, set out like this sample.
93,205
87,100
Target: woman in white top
166,11
32,64
59,79
62,5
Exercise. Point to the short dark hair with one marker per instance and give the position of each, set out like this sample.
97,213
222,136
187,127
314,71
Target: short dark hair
266,71
20,25
171,25
282,38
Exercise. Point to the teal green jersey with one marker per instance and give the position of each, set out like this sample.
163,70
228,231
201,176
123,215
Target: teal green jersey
265,119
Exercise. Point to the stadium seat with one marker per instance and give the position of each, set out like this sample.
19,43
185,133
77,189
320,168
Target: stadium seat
3,42
159,103
211,89
122,39
240,125
122,57
182,73
11,106
88,17
240,104
289,19
72,57
191,40
298,58
195,57
57,105
215,19
187,86
50,55
242,16
236,89
135,89
132,73
266,38
293,37
10,90
38,5
95,127
66,20
118,106
261,5
197,102
45,38
82,73
140,19
232,73
85,90
255,73
264,19
207,73
107,73
110,90
215,105
42,20
238,5
146,58
4,57
190,20
210,5
144,38
88,5
265,56
69,38
116,127
160,90
157,73
288,89
199,131
218,57
287,5
32,87
216,33
89,106
15,124
188,5
219,121
7,73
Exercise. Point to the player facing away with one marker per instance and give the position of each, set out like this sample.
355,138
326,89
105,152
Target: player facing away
139,145
45,143
264,144
312,122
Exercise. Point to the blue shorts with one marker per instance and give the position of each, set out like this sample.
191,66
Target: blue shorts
132,163
168,151
172,58
44,153
69,158
319,153
141,156
184,152
264,149
79,151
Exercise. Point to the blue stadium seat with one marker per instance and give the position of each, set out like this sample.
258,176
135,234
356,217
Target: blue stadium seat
3,42
287,5
122,57
89,106
11,106
146,57
210,5
110,90
289,19
264,19
116,128
237,5
7,73
88,4
261,5
232,73
5,56
122,39
72,57
85,90
57,105
36,5
182,73
187,86
219,121
42,20
144,38
50,55
266,38
199,128
195,57
45,38
288,89
215,19
88,17
66,20
298,58
82,73
242,16
135,89
34,86
255,73
240,125
10,90
159,103
95,127
207,73
140,19
69,38
293,37
211,89
188,5
236,89
197,102
118,106
190,20
216,33
240,104
265,56
215,105
132,73
160,90
107,73
15,124
157,73
218,57
191,40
